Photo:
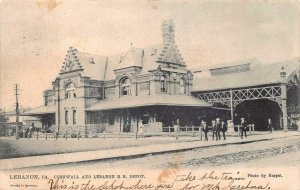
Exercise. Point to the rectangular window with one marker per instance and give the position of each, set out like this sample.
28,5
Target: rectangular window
66,117
74,117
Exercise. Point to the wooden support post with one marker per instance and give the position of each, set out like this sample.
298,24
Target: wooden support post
137,127
193,129
78,134
28,135
46,136
66,135
231,104
37,135
56,135
176,132
104,135
200,132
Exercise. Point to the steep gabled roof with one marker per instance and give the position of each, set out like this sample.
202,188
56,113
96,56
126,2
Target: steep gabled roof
91,65
94,66
102,68
147,59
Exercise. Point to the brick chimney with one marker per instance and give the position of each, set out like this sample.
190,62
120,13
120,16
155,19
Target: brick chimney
168,32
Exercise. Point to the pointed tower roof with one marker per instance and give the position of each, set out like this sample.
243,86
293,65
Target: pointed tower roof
132,58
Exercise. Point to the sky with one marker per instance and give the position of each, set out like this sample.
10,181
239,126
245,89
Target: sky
35,35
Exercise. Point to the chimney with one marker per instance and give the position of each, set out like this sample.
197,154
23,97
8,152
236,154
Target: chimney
168,30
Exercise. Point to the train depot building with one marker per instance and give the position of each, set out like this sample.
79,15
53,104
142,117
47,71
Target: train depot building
153,86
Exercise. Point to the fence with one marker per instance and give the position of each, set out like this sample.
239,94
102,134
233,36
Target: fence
169,131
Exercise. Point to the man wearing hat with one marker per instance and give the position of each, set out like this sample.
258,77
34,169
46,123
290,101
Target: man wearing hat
243,128
214,129
205,129
223,128
218,126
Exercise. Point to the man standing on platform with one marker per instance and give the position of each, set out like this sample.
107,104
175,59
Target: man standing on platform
214,130
223,128
270,125
205,129
243,128
218,126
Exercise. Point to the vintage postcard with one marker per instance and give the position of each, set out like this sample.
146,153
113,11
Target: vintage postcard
149,94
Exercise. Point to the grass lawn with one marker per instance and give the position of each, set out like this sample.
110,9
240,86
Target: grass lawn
11,148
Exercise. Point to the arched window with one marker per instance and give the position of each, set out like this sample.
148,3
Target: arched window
74,117
182,88
163,83
66,117
70,90
125,87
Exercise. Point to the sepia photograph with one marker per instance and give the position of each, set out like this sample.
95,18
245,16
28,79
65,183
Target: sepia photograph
149,94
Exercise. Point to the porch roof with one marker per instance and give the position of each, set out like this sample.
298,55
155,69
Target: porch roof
40,111
148,100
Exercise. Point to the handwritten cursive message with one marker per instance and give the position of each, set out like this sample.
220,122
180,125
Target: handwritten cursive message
183,181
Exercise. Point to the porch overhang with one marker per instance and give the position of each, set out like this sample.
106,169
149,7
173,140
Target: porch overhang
148,100
43,110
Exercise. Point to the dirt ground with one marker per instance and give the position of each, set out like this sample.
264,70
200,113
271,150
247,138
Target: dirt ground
280,152
11,148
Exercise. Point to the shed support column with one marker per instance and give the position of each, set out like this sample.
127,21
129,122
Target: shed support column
284,115
283,99
231,105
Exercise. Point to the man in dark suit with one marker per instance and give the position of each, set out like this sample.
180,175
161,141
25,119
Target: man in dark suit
243,128
223,128
218,126
214,130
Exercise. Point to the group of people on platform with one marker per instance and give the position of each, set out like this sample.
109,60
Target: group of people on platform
220,126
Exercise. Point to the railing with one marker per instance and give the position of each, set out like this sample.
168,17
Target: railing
169,131
181,128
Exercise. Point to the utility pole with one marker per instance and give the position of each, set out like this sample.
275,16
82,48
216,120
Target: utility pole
4,121
17,112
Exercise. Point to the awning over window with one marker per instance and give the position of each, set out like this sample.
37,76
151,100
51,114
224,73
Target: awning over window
148,100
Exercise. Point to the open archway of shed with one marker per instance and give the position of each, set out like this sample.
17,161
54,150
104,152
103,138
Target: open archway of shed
258,112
